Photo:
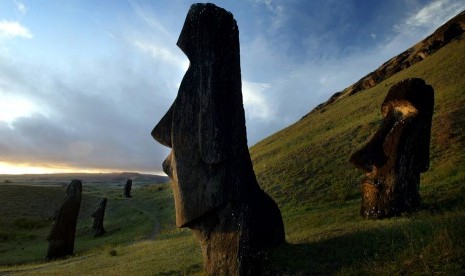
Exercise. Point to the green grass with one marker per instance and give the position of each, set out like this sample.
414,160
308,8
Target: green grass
26,216
305,169
307,163
421,244
129,246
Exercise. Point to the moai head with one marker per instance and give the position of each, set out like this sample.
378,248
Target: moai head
98,216
206,116
398,152
62,235
127,188
215,190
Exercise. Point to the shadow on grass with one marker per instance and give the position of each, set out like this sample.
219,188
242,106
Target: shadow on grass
329,256
423,243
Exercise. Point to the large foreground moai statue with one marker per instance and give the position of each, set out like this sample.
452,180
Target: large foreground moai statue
61,238
398,152
215,190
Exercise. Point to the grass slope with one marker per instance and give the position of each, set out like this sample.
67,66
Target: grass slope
305,168
307,163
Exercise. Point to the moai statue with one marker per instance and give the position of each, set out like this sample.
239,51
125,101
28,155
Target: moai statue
127,188
398,152
215,190
61,238
98,216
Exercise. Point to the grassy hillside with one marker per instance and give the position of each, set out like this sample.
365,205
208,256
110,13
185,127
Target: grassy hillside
306,164
305,169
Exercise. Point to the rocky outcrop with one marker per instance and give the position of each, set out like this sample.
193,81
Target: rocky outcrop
61,238
398,152
451,30
215,190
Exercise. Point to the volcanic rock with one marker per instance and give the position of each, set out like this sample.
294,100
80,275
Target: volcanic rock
215,190
398,152
62,235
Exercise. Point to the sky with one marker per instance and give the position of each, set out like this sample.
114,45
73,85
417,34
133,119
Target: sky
83,82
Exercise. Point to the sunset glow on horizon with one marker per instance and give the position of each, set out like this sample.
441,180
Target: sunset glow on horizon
24,168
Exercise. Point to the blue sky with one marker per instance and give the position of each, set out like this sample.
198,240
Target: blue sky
82,83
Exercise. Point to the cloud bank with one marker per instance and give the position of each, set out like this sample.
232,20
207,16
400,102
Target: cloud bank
87,87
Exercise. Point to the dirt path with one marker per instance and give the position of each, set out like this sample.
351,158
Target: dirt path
156,229
156,224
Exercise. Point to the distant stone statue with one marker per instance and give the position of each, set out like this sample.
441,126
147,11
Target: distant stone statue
61,238
98,216
398,152
127,188
215,190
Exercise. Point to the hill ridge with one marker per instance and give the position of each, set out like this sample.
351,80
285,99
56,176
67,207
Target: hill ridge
442,36
86,177
306,163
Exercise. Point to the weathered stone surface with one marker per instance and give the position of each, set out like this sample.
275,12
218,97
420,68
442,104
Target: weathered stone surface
98,216
61,238
215,190
453,32
398,152
127,188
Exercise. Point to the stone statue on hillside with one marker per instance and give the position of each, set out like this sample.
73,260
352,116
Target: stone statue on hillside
61,238
398,152
215,190
98,216
127,188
